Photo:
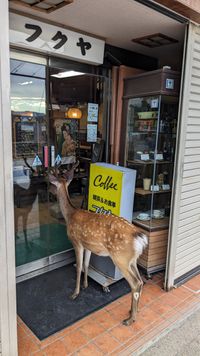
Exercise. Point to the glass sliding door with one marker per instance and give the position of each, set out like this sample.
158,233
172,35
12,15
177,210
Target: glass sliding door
56,119
30,136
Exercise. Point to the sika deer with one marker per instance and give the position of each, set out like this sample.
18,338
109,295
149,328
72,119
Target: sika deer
104,235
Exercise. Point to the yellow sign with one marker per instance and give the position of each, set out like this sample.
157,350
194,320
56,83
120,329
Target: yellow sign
105,190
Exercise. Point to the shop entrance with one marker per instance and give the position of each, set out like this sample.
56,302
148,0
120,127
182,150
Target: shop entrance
58,116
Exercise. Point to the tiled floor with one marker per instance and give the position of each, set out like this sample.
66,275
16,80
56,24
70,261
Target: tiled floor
102,333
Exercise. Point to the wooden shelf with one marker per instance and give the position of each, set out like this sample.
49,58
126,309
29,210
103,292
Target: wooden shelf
141,191
153,224
146,119
153,258
138,161
152,131
143,132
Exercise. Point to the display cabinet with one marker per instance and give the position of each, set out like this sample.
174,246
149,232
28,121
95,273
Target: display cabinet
150,119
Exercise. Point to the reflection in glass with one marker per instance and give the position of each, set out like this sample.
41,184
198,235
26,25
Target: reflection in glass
29,127
39,139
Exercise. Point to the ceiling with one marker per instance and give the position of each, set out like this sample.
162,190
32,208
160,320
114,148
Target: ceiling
118,22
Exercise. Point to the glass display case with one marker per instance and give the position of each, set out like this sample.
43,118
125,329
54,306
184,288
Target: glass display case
150,118
151,138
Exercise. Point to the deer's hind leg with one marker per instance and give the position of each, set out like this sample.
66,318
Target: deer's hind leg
136,292
132,276
25,220
79,263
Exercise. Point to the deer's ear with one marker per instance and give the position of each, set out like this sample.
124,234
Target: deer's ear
53,180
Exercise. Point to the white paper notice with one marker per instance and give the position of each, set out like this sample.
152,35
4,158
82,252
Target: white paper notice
91,133
93,112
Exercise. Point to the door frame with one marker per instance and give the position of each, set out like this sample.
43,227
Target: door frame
8,316
179,159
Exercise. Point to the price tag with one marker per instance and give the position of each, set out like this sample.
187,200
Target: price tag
159,156
144,157
169,84
155,188
165,187
154,103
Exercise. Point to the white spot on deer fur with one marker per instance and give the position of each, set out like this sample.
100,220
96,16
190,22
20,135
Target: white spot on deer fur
136,295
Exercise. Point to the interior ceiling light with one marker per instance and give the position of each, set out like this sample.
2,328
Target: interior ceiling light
69,73
26,83
155,40
43,5
74,113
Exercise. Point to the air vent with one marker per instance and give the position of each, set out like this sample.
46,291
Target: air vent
155,40
43,5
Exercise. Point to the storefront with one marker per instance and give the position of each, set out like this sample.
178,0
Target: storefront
42,104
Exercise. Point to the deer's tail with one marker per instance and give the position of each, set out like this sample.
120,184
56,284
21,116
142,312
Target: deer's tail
140,243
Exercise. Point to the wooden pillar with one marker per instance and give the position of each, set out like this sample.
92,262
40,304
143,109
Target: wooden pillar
8,330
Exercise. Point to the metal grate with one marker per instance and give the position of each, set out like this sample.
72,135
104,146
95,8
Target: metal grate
43,5
155,40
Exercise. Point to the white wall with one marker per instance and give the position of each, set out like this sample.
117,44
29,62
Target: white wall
184,245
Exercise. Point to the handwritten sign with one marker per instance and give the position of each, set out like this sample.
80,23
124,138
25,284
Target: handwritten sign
91,132
93,112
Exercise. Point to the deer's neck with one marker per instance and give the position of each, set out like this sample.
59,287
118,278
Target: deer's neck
65,204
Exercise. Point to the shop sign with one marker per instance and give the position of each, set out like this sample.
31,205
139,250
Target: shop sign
30,33
105,190
91,133
93,112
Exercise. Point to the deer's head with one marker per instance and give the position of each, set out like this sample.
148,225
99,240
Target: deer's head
62,178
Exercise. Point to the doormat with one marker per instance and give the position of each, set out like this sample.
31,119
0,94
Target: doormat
44,305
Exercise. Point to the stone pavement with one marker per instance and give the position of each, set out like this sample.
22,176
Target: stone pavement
182,340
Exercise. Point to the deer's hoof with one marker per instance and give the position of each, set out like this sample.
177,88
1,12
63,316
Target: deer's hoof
84,286
74,296
128,321
29,246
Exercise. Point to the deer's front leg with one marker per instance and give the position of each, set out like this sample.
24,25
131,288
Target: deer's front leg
79,263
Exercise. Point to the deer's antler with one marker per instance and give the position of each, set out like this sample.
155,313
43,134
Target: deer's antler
55,170
27,164
69,174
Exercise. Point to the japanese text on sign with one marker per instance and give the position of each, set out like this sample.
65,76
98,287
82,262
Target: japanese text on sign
29,33
93,112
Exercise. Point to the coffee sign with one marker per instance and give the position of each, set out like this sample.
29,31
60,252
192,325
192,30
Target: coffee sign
105,190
